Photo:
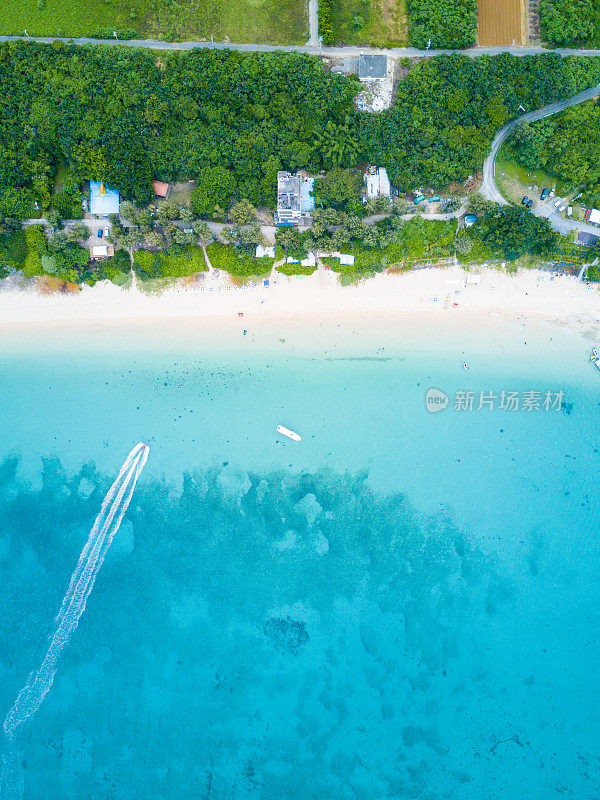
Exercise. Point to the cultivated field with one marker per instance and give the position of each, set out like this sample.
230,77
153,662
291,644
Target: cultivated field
380,23
269,21
501,22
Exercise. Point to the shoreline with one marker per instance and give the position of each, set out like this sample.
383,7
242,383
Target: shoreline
436,292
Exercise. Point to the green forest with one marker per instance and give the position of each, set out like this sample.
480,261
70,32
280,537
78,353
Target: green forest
451,24
129,115
565,145
568,23
449,108
230,120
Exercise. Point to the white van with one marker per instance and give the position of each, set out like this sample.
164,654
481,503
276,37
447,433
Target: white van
570,211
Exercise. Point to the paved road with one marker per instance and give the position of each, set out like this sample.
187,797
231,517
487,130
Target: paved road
156,44
313,23
489,188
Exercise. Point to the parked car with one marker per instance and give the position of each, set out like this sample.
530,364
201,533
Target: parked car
524,200
551,193
544,194
529,204
562,209
434,199
570,211
100,233
557,203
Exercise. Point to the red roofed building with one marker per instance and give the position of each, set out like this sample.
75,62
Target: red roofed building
161,189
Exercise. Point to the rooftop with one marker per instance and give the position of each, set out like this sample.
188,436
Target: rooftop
161,189
372,68
288,197
588,239
103,199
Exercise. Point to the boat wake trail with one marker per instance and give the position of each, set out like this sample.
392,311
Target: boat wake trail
31,696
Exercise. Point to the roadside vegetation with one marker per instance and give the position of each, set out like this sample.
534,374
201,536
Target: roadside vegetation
449,24
449,108
570,23
269,21
566,146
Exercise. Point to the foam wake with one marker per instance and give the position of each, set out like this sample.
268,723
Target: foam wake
31,696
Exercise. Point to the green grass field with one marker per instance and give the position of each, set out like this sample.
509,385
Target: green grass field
380,23
268,21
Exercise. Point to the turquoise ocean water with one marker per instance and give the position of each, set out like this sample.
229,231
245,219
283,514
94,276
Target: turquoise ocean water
403,605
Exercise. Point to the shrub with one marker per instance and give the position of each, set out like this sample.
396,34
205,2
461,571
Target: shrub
108,33
13,252
326,21
176,262
229,259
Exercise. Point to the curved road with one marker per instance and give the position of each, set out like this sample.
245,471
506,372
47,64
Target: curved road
489,188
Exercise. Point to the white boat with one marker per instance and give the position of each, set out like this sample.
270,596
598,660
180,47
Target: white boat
287,432
597,363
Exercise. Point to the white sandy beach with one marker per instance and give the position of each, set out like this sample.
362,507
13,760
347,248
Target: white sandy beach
438,291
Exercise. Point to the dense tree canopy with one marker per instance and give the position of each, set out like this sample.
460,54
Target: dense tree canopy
514,231
127,115
448,24
567,22
231,120
449,108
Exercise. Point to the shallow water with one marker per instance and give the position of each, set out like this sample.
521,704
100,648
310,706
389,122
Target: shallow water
404,605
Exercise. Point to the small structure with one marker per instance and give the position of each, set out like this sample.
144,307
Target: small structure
295,199
104,201
372,68
309,261
378,184
470,219
100,251
594,216
161,189
346,259
261,251
288,199
587,239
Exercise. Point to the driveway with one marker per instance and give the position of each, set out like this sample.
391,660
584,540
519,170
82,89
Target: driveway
489,188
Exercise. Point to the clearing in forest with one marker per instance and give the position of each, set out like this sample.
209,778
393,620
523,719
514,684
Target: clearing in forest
379,23
500,22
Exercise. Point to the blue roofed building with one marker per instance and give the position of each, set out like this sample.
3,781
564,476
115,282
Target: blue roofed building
103,200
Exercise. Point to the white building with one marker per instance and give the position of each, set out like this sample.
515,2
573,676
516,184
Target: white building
378,184
594,217
288,199
346,259
261,251
309,261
